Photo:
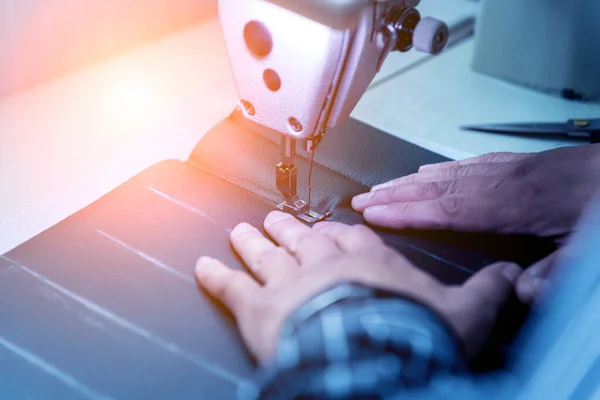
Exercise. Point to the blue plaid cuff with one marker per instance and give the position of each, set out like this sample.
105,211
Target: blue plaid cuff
355,342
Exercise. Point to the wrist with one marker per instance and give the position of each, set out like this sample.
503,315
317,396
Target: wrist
361,299
351,326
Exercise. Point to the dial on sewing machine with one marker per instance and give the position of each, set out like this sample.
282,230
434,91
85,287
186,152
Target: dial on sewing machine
302,66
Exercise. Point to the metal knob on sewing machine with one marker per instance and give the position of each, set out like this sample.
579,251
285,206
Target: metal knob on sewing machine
301,67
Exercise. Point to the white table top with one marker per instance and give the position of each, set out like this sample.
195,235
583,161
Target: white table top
427,105
67,143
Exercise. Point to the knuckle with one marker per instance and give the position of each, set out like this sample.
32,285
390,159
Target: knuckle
524,169
274,253
450,173
386,194
489,157
463,170
496,157
431,190
452,187
452,206
436,190
265,258
458,172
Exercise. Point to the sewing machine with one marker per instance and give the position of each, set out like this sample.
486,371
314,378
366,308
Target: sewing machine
301,67
103,303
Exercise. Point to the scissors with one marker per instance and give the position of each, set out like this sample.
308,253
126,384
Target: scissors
588,129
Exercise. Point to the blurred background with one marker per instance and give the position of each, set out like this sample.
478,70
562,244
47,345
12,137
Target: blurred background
67,34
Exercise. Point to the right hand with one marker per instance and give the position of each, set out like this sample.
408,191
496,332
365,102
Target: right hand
538,194
305,261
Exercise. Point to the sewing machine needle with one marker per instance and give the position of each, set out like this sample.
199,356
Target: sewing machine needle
311,159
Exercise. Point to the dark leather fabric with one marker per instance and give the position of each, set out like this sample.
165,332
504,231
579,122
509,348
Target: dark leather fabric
104,304
350,160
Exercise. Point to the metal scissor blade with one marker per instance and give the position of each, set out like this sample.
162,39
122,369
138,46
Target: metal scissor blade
550,129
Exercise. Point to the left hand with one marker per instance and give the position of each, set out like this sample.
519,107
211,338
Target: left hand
534,283
309,261
539,194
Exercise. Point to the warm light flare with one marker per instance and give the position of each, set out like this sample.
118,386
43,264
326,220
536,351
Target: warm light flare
132,100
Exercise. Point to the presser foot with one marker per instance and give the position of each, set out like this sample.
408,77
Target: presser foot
313,217
299,209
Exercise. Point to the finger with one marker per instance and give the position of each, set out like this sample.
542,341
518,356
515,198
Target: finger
477,213
484,159
494,284
352,239
233,288
534,281
483,295
261,256
404,193
447,174
300,240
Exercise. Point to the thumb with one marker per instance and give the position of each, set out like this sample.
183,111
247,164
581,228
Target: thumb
494,283
535,280
486,293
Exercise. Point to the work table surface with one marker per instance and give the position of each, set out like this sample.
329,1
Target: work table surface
65,144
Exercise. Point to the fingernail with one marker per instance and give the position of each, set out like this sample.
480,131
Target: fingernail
538,271
375,210
242,228
382,186
533,288
361,200
203,262
275,217
427,166
526,291
512,272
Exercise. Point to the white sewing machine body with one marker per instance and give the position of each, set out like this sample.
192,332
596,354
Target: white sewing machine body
302,69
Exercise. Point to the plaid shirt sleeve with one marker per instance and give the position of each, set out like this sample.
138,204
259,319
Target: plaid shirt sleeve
355,342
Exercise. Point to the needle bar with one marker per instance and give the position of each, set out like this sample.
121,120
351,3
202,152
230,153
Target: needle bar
311,160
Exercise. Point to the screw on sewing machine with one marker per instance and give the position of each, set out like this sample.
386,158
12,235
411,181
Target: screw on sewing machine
248,108
295,125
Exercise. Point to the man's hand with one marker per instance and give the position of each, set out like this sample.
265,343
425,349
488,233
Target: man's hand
540,194
305,262
535,281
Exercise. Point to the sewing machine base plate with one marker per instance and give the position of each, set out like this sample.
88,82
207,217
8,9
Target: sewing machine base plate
311,217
